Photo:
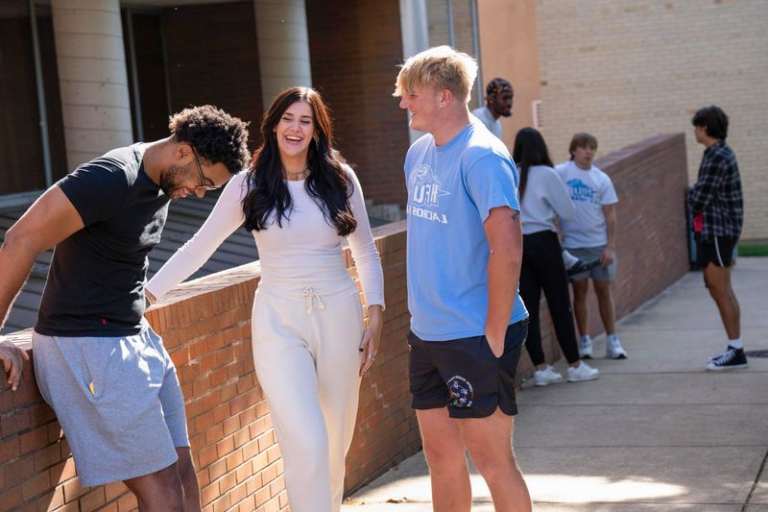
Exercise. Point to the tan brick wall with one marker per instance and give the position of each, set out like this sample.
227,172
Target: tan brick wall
508,46
627,69
206,329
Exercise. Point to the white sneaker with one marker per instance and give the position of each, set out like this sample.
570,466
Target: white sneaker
546,377
614,350
582,373
585,347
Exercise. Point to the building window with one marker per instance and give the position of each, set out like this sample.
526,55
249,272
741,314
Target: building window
454,22
147,73
32,149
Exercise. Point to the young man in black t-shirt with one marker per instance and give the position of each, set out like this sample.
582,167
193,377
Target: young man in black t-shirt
98,363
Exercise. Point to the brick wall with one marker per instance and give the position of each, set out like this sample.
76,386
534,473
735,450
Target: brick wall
206,328
624,70
355,49
213,57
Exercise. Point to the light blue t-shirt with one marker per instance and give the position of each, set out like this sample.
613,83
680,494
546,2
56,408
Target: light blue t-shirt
451,191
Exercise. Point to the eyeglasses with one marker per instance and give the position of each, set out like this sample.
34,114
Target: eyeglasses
204,182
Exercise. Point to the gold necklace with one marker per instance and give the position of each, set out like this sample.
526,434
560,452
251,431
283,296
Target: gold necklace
295,174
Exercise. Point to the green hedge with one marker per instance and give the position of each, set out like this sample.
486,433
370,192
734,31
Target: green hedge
753,250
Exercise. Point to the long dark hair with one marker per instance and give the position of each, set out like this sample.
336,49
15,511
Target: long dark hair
530,149
326,184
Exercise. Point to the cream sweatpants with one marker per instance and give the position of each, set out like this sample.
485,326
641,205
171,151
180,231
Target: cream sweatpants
307,359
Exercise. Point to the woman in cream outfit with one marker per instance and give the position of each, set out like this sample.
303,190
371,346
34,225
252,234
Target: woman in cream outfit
310,347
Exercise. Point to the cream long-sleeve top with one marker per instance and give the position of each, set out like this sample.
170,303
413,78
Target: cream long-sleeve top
545,198
305,252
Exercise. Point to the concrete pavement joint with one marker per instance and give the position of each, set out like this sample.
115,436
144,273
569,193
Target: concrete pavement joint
755,484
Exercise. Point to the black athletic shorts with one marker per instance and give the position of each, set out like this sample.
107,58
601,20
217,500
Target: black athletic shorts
464,375
719,251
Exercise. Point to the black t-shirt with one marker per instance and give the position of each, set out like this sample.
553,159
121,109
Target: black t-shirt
95,284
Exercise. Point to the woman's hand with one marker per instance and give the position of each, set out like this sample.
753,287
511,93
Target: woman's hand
369,346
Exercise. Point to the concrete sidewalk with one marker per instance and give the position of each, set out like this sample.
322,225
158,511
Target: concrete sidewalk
656,432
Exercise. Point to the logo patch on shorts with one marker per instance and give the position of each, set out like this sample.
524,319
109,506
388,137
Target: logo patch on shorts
461,391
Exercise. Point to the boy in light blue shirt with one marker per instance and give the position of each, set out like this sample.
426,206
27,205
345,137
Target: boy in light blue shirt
464,254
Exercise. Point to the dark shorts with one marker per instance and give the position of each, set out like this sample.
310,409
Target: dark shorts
464,375
719,251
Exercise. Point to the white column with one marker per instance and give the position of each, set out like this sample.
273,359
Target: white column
414,26
415,34
281,30
92,76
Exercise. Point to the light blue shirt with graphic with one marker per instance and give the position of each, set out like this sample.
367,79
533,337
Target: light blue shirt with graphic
451,191
590,190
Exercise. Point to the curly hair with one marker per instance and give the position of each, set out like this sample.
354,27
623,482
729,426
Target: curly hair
216,136
497,85
326,184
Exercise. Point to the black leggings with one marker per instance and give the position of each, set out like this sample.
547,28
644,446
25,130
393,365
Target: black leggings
543,269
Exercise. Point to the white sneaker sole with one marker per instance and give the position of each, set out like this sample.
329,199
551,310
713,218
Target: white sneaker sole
712,368
583,379
542,384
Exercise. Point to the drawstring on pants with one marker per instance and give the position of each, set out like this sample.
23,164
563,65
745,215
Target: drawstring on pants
312,300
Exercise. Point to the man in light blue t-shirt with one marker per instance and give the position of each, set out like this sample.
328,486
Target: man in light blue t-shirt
468,323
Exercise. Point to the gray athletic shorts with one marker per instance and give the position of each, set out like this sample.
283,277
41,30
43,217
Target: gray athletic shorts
599,273
118,400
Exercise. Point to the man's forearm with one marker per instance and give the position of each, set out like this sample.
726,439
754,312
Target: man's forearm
505,237
699,196
16,260
503,277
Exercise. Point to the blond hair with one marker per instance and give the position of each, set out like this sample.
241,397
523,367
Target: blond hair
441,67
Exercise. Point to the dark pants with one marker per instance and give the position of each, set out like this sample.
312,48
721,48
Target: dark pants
543,269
